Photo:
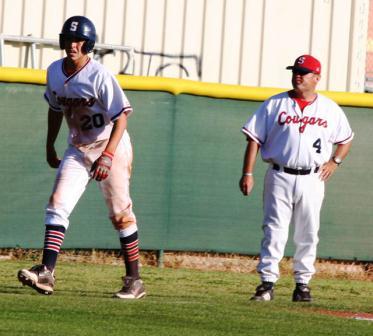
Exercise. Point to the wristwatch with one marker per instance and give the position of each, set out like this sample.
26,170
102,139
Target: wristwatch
337,160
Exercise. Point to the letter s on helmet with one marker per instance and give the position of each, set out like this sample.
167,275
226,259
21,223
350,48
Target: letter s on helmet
79,27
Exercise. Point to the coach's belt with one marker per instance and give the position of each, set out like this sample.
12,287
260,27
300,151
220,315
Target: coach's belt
294,171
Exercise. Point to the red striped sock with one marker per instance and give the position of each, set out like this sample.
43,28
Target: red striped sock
130,250
54,236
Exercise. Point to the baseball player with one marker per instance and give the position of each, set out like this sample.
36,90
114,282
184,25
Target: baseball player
295,132
95,108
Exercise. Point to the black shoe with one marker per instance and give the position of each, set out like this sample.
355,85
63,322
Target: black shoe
264,292
302,293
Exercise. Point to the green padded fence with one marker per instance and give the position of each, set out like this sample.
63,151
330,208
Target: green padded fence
188,157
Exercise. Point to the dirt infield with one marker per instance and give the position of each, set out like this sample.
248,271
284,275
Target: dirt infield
201,260
346,314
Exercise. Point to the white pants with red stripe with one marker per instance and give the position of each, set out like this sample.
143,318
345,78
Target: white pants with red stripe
295,199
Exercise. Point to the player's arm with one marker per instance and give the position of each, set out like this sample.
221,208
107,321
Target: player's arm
247,179
54,126
328,168
101,167
119,127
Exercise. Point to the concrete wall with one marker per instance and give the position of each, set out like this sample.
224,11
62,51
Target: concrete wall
246,42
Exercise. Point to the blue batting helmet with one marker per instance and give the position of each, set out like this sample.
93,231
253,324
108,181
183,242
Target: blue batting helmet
79,27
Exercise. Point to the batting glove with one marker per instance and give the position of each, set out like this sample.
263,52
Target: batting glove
101,167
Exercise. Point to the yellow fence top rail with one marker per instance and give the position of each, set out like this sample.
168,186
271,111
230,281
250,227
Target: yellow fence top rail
178,86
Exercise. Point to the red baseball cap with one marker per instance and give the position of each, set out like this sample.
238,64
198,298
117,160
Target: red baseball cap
306,63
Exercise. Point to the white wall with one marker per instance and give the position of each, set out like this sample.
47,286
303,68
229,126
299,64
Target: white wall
247,42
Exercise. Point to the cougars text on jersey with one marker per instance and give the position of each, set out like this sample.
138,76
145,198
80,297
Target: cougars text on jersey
284,118
74,102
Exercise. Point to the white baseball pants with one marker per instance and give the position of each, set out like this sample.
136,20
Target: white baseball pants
295,199
73,175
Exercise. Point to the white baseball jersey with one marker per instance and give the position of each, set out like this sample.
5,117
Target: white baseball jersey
301,140
91,99
292,138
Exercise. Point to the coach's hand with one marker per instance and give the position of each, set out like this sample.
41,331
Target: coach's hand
101,167
52,158
327,170
246,184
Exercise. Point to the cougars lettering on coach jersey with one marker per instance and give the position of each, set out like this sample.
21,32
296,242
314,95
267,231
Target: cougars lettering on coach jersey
294,139
91,99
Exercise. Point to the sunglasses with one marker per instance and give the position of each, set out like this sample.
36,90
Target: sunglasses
301,72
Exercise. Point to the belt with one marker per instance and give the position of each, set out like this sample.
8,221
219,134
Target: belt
294,171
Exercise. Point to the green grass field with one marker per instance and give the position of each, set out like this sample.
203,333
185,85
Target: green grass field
178,302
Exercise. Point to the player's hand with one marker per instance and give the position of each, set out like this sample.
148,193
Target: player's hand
101,167
327,170
52,158
246,184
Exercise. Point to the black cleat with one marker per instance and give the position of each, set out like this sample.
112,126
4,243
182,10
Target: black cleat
264,292
302,293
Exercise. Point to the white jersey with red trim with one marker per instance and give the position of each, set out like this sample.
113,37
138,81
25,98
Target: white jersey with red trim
292,138
91,99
